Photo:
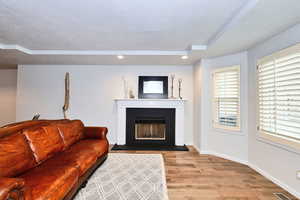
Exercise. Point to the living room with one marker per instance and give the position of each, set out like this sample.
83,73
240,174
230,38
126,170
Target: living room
150,100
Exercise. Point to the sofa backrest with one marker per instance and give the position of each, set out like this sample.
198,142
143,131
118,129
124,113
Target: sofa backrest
34,122
71,131
15,155
26,148
14,127
44,141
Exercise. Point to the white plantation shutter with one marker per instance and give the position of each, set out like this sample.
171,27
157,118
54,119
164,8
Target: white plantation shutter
279,93
226,100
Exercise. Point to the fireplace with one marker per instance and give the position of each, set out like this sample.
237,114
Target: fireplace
150,126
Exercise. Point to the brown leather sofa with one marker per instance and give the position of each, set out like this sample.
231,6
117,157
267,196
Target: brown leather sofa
48,159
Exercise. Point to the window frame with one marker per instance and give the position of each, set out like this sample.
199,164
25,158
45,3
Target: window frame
286,142
213,107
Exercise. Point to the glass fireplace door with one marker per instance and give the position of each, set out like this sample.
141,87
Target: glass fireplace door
154,129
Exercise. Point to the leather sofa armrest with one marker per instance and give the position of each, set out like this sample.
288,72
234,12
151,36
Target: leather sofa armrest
12,188
95,132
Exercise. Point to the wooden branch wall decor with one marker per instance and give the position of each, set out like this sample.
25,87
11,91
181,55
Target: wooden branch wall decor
67,94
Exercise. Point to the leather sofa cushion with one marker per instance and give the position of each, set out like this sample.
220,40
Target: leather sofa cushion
71,132
44,141
100,147
83,154
51,181
15,155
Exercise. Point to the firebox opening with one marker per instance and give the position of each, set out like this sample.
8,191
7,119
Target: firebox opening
150,129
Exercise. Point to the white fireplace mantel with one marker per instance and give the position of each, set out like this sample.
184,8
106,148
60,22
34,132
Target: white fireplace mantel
178,104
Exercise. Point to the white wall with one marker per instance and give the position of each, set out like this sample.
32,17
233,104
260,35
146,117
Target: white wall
93,90
229,144
274,161
197,104
8,88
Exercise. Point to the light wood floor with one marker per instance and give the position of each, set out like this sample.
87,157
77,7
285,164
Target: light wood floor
191,176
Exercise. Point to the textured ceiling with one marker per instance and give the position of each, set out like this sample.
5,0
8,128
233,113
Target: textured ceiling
112,24
155,26
268,18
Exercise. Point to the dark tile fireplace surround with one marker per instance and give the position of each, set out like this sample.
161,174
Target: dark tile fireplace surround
150,126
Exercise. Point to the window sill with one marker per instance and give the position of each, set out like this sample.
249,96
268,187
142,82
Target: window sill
232,131
279,141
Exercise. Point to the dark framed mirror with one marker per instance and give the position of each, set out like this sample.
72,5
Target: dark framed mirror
153,87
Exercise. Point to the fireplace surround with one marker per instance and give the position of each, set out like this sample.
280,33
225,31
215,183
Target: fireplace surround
121,120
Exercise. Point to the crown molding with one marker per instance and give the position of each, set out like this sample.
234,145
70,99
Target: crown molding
104,52
15,47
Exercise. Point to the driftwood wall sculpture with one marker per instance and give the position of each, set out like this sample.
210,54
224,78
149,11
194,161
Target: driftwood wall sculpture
67,94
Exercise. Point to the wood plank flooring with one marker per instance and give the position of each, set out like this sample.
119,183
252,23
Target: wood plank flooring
191,176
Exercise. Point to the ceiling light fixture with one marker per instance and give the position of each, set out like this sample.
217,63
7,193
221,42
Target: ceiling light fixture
120,57
184,57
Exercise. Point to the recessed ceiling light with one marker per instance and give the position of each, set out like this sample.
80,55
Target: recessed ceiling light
120,57
184,57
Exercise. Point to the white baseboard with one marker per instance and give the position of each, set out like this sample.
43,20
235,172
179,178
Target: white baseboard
276,181
225,157
262,172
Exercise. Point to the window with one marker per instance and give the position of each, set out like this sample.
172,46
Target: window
279,94
226,100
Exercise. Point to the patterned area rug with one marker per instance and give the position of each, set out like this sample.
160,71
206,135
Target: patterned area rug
127,177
